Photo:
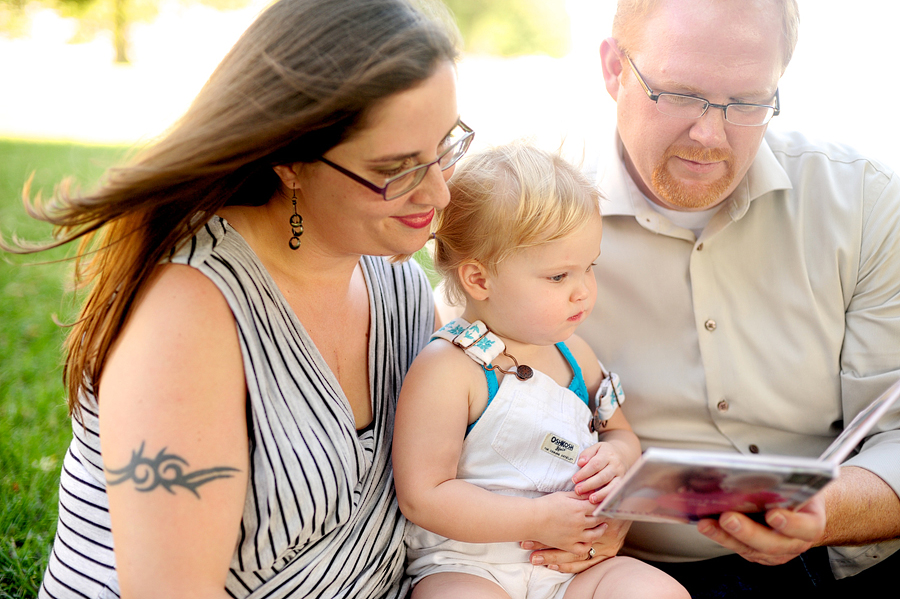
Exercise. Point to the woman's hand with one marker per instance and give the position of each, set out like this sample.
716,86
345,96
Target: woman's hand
787,535
611,541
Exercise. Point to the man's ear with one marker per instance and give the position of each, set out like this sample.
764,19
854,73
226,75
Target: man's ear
475,280
612,62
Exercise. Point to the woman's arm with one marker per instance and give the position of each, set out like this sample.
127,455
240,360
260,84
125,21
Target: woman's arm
432,415
174,439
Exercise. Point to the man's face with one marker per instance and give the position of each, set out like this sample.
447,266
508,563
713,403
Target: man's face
722,52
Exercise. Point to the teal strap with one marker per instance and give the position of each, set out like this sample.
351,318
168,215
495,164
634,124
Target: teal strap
493,387
490,375
577,386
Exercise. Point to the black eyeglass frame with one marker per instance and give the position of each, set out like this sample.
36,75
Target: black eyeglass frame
776,109
466,139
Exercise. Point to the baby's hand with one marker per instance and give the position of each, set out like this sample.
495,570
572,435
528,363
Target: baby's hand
567,522
601,464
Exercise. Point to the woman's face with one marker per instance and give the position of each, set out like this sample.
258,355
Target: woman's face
342,216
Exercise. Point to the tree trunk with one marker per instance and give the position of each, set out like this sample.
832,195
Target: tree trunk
120,31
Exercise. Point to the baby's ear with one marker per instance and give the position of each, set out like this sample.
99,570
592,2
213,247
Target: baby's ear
474,278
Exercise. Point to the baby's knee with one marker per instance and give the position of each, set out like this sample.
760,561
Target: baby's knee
630,578
654,583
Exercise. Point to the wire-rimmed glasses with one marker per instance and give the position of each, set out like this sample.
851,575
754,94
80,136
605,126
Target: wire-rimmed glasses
694,107
403,183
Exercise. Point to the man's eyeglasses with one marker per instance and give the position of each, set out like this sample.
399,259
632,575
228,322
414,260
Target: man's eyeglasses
693,107
402,183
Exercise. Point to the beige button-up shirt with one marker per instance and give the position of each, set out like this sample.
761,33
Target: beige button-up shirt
765,334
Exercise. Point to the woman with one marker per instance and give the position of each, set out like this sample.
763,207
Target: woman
234,371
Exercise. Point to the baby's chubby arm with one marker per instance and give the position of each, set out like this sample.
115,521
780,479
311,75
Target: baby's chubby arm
432,415
606,461
618,449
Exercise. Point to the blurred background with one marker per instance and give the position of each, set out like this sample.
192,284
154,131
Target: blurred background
82,81
119,71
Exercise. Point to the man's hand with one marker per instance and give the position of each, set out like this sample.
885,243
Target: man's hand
787,535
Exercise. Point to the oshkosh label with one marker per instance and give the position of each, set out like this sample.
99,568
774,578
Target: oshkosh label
560,448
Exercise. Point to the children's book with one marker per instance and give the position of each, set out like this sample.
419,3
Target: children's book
677,485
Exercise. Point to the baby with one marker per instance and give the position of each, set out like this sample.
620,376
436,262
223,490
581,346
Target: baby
506,408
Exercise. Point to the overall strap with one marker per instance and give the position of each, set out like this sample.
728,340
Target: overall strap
483,346
479,344
476,339
493,387
577,386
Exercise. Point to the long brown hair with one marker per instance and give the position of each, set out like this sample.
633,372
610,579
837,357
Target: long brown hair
299,81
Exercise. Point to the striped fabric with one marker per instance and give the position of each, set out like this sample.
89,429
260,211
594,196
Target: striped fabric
321,517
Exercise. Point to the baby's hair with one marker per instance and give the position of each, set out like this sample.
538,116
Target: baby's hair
503,200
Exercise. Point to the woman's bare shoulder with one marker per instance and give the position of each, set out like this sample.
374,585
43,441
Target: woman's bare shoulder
180,333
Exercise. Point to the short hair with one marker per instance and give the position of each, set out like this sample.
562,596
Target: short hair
506,199
631,13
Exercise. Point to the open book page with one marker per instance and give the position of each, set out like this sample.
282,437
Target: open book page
672,485
676,485
856,431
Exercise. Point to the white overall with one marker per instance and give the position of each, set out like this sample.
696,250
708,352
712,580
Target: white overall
524,444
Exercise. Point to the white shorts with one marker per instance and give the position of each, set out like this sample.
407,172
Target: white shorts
506,564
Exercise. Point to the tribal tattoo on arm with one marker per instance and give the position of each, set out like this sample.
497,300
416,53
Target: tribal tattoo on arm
166,470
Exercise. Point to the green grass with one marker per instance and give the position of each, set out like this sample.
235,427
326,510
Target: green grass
34,428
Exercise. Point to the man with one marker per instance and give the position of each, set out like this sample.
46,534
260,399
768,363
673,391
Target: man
749,293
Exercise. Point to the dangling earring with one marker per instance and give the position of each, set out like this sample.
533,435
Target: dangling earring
296,223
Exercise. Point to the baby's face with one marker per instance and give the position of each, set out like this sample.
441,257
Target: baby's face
539,295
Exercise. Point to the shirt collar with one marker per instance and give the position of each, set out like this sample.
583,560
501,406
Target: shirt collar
621,197
620,194
765,175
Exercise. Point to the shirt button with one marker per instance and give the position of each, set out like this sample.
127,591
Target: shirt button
710,325
722,406
700,248
754,449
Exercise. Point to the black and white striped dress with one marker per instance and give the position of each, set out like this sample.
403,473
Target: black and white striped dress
320,518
